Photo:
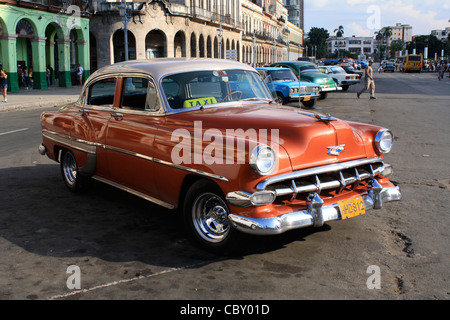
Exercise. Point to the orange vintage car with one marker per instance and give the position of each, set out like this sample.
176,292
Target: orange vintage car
205,136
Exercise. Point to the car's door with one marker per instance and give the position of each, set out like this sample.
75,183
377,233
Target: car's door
131,135
90,122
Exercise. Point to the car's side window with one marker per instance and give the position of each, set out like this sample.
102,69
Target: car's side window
101,93
152,98
139,94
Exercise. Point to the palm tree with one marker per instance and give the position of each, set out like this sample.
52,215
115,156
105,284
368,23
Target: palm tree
379,36
339,33
387,33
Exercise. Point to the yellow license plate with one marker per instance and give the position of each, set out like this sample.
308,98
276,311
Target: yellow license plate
326,85
307,98
352,208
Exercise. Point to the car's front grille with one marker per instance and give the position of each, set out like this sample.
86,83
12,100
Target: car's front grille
311,89
333,178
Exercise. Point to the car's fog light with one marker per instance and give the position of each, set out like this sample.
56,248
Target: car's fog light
262,198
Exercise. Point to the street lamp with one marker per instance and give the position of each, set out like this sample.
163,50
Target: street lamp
124,12
220,34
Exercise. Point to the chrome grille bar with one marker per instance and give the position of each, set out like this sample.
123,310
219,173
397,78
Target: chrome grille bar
318,179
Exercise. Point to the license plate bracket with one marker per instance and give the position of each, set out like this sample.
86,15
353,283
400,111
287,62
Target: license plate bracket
352,208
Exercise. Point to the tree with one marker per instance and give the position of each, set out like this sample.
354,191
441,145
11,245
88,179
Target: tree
339,33
317,37
432,42
379,36
386,33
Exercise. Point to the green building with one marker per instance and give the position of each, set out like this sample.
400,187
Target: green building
42,33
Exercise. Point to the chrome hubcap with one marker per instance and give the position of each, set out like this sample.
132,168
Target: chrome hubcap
210,217
69,168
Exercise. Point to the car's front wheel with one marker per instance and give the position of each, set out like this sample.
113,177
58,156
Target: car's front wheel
323,95
70,173
309,104
206,217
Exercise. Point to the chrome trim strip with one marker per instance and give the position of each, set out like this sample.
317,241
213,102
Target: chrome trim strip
134,192
90,147
77,144
166,163
317,170
308,217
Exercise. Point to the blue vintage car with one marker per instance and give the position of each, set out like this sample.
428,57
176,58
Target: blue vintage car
285,84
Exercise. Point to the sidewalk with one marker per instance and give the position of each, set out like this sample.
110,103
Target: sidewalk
34,99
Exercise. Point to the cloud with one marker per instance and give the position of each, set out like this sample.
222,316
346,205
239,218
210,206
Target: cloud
422,15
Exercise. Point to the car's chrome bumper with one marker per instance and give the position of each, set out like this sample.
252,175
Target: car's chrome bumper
315,215
331,89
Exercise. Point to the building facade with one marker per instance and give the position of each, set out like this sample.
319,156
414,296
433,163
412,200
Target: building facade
267,35
44,33
250,31
355,45
441,34
401,32
296,12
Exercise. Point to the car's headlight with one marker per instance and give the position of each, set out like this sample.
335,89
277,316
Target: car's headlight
263,160
384,141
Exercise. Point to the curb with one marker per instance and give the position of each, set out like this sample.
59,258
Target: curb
36,105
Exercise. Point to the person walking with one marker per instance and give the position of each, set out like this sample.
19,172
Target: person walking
369,82
80,71
3,83
440,69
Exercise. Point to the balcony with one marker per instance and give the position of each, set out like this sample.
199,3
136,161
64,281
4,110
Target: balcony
51,5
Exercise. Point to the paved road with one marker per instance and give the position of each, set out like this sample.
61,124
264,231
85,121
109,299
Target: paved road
127,248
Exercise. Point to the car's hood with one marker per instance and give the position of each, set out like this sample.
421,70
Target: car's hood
304,137
289,83
316,76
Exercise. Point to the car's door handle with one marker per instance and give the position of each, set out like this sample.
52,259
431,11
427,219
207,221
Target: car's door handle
117,116
84,111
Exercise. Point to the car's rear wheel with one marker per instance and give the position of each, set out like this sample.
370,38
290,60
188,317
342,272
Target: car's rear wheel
70,173
206,216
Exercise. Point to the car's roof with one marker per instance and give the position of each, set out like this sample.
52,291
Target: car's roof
164,66
272,68
295,62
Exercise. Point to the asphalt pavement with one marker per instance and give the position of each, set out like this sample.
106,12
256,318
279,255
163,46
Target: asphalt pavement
127,248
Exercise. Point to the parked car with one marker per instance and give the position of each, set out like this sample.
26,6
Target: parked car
288,88
342,78
363,64
350,69
389,66
204,136
309,72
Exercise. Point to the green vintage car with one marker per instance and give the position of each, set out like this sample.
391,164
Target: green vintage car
309,72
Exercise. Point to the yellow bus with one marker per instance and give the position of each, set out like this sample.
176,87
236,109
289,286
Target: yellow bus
411,63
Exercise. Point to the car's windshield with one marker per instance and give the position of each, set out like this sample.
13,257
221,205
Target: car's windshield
308,68
199,88
282,75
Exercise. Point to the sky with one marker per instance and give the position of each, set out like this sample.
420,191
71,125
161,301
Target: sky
365,17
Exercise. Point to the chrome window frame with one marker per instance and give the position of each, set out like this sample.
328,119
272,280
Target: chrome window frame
82,100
